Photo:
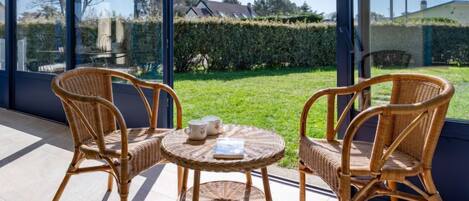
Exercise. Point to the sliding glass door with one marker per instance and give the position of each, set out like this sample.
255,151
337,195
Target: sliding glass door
3,72
48,37
40,54
420,36
122,35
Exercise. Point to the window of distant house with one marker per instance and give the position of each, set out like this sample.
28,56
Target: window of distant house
222,14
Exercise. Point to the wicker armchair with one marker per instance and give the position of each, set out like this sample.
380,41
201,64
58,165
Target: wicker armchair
87,99
406,136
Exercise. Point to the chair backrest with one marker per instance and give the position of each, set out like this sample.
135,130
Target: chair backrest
87,83
86,95
431,95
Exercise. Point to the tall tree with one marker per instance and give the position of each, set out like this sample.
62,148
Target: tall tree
232,1
305,8
80,5
261,7
147,8
275,7
50,3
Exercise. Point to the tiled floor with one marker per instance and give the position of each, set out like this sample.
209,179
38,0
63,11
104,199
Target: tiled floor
34,155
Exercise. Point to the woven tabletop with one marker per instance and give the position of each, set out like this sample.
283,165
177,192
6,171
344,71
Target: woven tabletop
262,148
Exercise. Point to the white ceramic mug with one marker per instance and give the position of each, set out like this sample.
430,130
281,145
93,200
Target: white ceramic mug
214,125
197,130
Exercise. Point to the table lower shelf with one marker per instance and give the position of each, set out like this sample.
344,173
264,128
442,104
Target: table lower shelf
226,191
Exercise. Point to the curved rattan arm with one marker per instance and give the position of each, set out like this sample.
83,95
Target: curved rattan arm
65,95
378,158
171,92
351,131
152,111
331,93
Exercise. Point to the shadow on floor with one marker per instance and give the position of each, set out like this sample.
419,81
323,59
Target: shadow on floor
58,135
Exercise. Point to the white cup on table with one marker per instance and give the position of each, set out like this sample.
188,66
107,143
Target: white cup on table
197,130
214,125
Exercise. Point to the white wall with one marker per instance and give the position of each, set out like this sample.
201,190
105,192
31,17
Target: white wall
457,12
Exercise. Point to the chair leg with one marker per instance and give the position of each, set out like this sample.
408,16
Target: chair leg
393,186
61,189
109,182
429,185
364,192
301,171
124,190
76,160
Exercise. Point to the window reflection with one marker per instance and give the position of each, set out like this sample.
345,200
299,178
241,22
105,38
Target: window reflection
123,35
41,35
415,36
2,34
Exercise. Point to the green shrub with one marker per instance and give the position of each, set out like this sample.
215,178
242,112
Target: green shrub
38,38
232,45
426,21
223,44
450,44
303,18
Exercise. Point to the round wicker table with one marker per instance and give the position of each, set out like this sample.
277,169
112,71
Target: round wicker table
261,147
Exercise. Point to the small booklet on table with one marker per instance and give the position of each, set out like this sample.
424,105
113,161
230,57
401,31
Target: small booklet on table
229,148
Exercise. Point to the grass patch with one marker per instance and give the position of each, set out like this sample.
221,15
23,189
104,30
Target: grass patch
273,99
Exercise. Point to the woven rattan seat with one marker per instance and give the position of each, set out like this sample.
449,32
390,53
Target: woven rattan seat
407,132
143,144
330,155
87,98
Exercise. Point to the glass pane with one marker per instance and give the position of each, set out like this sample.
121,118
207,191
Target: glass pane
256,70
41,36
2,34
124,35
417,36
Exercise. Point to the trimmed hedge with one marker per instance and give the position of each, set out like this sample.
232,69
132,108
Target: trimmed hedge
450,45
39,43
233,45
304,18
216,44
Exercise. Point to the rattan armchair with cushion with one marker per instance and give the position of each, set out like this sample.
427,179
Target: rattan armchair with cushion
406,136
100,132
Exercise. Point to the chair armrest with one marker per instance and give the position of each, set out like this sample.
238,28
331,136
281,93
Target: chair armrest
152,110
386,113
331,93
351,131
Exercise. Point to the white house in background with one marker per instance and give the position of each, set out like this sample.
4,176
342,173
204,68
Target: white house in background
205,8
457,10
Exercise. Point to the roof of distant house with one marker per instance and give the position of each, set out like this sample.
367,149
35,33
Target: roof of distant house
220,9
456,2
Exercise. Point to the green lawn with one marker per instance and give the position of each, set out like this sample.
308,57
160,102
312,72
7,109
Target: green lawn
273,99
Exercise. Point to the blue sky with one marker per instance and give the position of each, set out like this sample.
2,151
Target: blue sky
125,7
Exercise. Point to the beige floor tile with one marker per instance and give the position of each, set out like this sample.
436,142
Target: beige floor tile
34,155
